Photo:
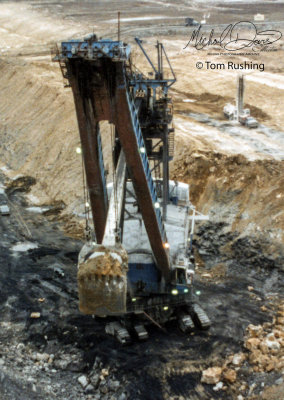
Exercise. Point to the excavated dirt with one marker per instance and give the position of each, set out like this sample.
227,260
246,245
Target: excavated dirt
48,350
99,268
239,191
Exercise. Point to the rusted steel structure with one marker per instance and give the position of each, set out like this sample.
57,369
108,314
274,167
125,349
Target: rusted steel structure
107,87
97,72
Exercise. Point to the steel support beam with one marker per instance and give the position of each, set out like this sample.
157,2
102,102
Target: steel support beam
116,203
124,126
89,129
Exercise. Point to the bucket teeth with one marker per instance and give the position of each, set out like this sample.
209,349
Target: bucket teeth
102,280
102,295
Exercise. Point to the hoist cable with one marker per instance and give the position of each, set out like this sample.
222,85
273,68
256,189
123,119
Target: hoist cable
114,188
114,176
85,193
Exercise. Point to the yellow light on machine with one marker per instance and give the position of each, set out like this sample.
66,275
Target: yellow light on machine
87,205
174,292
157,205
133,299
165,308
142,150
185,290
78,150
166,245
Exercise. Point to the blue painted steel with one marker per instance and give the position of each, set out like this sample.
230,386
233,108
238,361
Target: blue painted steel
146,273
174,200
145,162
182,289
117,51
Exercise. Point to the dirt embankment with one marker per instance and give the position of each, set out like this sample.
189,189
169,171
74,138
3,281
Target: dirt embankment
255,186
247,195
213,104
39,132
39,138
39,129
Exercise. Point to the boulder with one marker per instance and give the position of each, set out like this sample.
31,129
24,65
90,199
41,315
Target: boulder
278,333
104,372
89,389
254,356
218,387
255,330
211,376
35,315
230,375
252,343
42,357
83,381
272,344
238,359
264,348
271,364
113,385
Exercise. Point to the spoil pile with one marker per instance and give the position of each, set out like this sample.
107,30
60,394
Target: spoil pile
263,352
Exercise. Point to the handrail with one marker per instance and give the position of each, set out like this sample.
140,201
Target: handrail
145,163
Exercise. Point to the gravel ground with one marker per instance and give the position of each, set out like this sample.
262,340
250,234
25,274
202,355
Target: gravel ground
49,350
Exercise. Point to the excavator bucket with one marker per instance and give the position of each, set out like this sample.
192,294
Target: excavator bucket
102,279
